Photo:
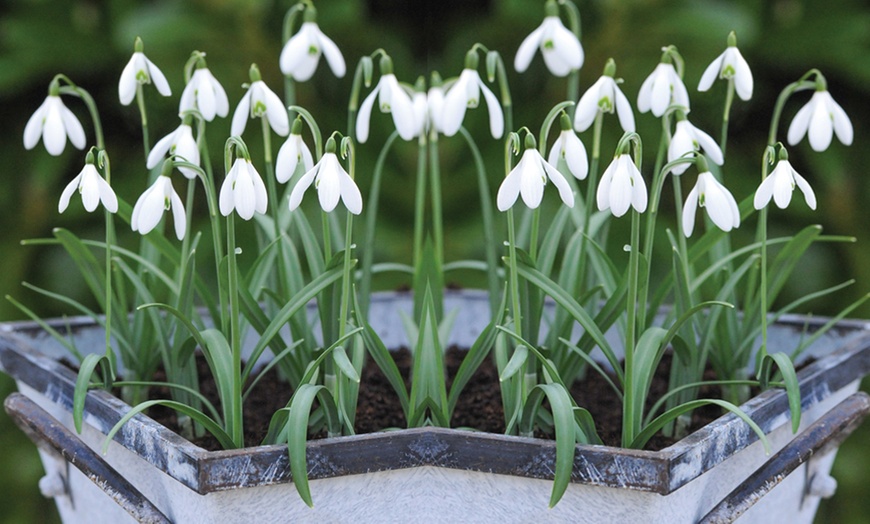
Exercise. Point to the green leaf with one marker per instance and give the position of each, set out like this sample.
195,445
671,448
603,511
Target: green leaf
339,356
382,357
792,387
672,414
207,422
576,310
297,432
83,383
428,383
515,364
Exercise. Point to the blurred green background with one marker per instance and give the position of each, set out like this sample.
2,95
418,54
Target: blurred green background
91,41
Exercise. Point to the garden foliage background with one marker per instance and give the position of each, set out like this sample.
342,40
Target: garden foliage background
91,41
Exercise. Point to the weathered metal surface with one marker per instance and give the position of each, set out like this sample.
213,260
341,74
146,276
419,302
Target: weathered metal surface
827,432
49,434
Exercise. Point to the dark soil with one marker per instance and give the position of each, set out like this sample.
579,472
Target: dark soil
479,406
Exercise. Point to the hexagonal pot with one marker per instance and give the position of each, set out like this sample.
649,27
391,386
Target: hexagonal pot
717,473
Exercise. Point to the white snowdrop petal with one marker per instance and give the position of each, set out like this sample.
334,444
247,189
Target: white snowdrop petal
67,193
294,52
127,84
496,117
743,82
276,113
509,190
33,129
821,128
157,77
107,195
764,192
364,115
575,156
690,206
783,185
798,127
159,150
455,104
350,194
179,218
527,49
287,160
842,124
565,192
623,110
73,128
53,133
711,73
809,194
240,117
332,54
302,185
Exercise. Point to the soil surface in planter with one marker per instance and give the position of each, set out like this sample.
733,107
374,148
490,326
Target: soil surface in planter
479,406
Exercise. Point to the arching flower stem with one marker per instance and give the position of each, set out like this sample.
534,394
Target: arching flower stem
72,89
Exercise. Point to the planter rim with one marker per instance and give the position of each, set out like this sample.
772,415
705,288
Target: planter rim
657,471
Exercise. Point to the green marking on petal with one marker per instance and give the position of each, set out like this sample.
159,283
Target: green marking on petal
166,204
605,104
548,44
142,77
728,72
258,109
702,200
313,50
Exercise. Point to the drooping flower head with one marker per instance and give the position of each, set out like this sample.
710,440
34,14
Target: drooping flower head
528,179
621,187
604,96
730,65
301,53
179,142
780,184
139,71
560,47
93,188
292,154
160,197
332,183
820,118
712,196
464,94
569,148
204,93
392,98
53,122
260,102
688,139
243,190
663,87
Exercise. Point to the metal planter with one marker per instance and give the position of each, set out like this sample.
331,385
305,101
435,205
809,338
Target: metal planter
433,474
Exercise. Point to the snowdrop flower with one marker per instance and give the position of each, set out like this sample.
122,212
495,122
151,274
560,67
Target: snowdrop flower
528,179
729,65
243,190
292,153
569,148
621,187
688,139
92,188
301,53
820,118
718,201
392,98
662,88
560,47
53,122
139,70
179,142
262,102
465,93
148,211
604,96
779,185
332,182
204,93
